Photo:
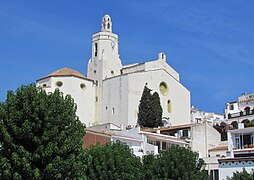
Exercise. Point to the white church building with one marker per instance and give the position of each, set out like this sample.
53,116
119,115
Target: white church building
110,93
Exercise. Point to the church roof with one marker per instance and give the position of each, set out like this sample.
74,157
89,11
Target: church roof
66,72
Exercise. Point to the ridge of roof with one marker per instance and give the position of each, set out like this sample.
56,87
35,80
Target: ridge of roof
66,72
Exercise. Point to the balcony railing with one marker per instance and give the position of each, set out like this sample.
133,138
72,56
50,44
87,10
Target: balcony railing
240,114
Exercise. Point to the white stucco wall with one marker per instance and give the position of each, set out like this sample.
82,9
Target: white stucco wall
84,98
124,92
115,101
177,94
204,137
227,169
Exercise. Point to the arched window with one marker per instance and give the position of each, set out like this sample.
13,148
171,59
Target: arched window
247,109
95,49
234,124
169,106
108,25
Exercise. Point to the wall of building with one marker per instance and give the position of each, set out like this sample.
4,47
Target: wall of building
204,137
226,169
177,94
91,138
84,98
115,101
218,153
123,93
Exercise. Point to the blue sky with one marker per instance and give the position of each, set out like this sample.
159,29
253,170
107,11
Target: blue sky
210,43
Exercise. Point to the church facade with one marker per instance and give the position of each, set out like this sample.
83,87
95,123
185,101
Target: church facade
111,91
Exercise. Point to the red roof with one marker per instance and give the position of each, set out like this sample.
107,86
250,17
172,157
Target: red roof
219,148
66,72
168,128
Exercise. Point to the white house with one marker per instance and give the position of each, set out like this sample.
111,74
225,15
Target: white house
240,152
111,91
240,110
198,116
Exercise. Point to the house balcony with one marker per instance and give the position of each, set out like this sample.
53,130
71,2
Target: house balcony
242,142
241,114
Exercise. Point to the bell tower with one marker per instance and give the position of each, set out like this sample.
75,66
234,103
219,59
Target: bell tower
106,25
104,62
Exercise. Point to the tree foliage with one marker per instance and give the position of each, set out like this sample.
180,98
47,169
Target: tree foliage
222,130
244,175
175,163
40,136
113,161
150,110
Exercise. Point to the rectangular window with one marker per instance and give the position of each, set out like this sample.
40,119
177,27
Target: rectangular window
185,133
157,143
238,141
231,107
150,141
214,174
164,146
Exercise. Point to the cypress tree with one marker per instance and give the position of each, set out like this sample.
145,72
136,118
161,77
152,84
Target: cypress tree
150,110
156,110
144,108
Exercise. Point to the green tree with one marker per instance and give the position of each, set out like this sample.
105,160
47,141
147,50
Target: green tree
156,114
174,163
150,110
40,136
222,129
244,175
113,161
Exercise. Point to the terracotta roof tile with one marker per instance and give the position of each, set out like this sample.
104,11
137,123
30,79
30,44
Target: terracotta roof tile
219,148
66,72
167,128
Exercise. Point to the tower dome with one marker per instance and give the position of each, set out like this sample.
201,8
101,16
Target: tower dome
106,25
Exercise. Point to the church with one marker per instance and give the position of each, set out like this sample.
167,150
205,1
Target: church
111,91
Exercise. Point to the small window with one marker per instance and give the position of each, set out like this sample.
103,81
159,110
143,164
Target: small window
83,86
59,83
96,99
231,107
113,110
112,72
169,106
44,85
94,71
108,25
106,108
